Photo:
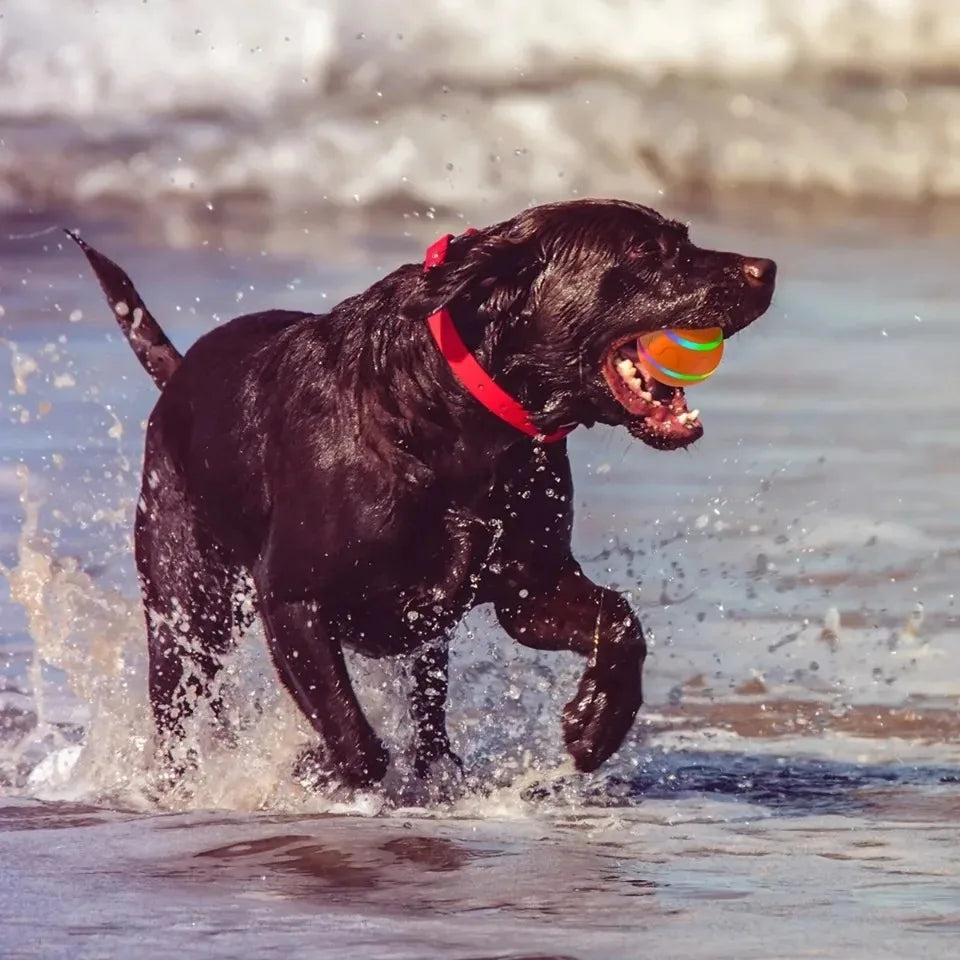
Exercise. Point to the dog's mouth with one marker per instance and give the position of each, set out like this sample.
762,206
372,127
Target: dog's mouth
658,413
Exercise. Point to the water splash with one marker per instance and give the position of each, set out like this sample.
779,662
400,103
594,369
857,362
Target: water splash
93,739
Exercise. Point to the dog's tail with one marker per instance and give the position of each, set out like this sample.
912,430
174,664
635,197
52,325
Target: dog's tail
151,345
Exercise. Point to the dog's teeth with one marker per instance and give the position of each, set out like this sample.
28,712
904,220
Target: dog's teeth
645,394
626,368
682,418
694,414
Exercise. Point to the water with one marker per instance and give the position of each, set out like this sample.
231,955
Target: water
693,881
793,774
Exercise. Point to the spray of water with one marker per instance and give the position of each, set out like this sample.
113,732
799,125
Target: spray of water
93,737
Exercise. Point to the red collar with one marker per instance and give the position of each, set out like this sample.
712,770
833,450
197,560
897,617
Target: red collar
474,379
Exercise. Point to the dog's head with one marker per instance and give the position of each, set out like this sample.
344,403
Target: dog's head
553,302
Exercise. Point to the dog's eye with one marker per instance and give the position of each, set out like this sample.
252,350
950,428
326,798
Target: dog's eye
645,248
663,247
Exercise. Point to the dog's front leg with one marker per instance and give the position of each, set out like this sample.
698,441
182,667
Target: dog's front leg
311,665
573,613
468,538
428,708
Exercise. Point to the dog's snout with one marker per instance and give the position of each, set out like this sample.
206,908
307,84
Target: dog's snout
759,272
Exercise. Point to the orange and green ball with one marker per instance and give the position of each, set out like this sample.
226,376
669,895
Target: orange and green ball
681,358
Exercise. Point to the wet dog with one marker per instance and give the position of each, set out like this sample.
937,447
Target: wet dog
378,470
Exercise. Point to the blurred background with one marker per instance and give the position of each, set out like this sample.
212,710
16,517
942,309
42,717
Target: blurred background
275,117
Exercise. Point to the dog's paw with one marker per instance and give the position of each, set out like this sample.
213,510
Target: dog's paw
437,760
439,768
313,770
439,776
317,770
367,767
597,719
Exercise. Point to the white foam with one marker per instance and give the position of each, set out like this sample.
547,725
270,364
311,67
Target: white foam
463,105
63,58
118,59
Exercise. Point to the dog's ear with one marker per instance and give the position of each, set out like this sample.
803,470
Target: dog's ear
494,268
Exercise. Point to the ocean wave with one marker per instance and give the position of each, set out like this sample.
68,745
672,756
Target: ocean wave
465,106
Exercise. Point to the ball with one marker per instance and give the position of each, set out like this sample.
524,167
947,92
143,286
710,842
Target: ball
681,358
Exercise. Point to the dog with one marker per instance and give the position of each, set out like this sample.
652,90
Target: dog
378,470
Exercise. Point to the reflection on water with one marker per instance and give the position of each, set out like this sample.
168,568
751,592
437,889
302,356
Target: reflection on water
690,873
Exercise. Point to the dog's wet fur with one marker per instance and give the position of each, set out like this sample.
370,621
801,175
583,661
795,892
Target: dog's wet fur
335,462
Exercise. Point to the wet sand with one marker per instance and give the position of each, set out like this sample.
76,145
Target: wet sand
688,879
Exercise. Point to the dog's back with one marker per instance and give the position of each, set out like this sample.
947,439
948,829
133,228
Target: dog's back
220,412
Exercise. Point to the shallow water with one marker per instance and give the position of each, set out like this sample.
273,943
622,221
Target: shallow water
690,879
789,791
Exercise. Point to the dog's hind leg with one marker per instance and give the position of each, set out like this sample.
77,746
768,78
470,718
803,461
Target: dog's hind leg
188,598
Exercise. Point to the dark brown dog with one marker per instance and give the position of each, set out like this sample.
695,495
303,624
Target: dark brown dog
337,461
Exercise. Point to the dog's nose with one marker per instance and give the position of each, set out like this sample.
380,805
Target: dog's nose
759,272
